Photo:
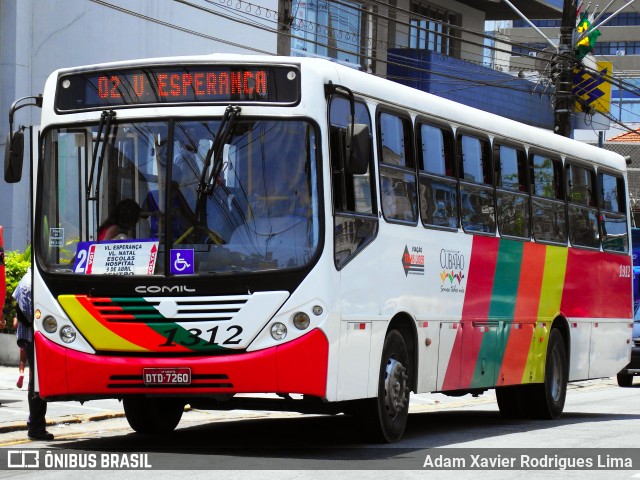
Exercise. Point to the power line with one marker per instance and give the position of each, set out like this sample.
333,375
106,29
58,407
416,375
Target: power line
176,27
500,83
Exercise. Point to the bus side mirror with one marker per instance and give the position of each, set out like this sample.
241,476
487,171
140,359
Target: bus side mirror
13,155
357,149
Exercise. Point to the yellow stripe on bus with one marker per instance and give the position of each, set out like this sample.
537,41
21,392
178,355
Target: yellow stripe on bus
555,268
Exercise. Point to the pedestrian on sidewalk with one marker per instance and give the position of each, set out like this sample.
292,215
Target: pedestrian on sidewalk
23,357
36,424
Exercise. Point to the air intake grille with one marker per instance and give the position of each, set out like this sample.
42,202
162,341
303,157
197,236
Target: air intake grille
173,309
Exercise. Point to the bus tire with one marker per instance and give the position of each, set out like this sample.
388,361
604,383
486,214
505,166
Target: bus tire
547,399
153,415
384,418
624,380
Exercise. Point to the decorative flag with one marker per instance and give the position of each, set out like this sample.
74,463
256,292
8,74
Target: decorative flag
584,46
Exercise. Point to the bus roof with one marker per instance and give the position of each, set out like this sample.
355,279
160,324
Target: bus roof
378,89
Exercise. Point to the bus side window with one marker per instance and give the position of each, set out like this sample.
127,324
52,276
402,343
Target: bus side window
583,214
477,211
437,184
613,213
397,174
548,207
354,205
512,197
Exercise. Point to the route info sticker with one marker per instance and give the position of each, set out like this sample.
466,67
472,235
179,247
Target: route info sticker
134,257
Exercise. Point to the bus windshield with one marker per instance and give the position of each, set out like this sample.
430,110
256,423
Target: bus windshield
151,198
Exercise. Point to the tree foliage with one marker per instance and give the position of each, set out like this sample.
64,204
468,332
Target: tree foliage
16,265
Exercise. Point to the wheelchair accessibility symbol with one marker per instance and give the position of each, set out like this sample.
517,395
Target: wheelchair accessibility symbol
182,261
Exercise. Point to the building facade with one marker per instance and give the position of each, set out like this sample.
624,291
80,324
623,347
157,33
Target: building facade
618,43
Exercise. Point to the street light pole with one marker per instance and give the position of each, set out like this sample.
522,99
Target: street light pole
566,60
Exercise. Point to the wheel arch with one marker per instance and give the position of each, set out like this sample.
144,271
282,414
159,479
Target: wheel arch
562,324
406,325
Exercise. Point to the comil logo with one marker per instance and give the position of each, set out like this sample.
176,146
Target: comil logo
23,459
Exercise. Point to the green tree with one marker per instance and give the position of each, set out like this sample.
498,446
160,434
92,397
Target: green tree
16,265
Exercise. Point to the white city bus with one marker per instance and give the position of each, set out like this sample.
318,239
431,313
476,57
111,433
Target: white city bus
219,225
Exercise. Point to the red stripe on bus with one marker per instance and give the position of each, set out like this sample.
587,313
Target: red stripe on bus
597,285
516,352
482,267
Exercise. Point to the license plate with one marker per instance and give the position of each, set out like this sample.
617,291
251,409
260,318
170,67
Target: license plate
166,376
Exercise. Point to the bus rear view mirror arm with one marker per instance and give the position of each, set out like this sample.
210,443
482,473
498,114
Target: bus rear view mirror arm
14,148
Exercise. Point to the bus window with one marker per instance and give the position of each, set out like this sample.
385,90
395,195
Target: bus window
397,177
512,197
613,213
549,217
476,185
356,222
583,215
438,193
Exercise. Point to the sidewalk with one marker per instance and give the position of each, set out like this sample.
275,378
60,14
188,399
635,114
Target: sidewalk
14,408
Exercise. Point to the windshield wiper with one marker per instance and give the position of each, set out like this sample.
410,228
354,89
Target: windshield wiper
100,143
104,127
207,183
225,130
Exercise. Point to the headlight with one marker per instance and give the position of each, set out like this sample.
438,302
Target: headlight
278,331
50,324
67,334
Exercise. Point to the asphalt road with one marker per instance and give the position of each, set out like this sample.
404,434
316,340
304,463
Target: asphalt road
600,418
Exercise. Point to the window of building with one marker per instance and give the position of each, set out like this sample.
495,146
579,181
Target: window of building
431,29
328,29
542,23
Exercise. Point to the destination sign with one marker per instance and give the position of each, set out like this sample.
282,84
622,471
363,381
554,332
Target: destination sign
177,85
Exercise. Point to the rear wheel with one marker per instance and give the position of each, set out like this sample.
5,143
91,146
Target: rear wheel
383,419
625,380
547,399
153,415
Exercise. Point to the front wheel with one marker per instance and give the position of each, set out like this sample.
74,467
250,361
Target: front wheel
383,419
153,415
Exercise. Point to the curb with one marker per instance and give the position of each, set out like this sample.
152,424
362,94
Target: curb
18,426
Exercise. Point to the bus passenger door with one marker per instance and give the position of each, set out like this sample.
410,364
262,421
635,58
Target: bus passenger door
355,251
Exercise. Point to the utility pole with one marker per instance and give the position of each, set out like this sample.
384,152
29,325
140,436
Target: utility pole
284,27
566,61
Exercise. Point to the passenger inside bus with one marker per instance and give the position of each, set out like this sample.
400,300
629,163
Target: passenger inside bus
121,222
182,217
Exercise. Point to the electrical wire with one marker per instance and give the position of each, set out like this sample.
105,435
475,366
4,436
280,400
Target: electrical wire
501,83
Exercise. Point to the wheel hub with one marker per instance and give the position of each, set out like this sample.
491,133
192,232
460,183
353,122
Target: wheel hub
396,388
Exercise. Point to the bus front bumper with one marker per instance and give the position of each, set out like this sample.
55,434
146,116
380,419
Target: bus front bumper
299,367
